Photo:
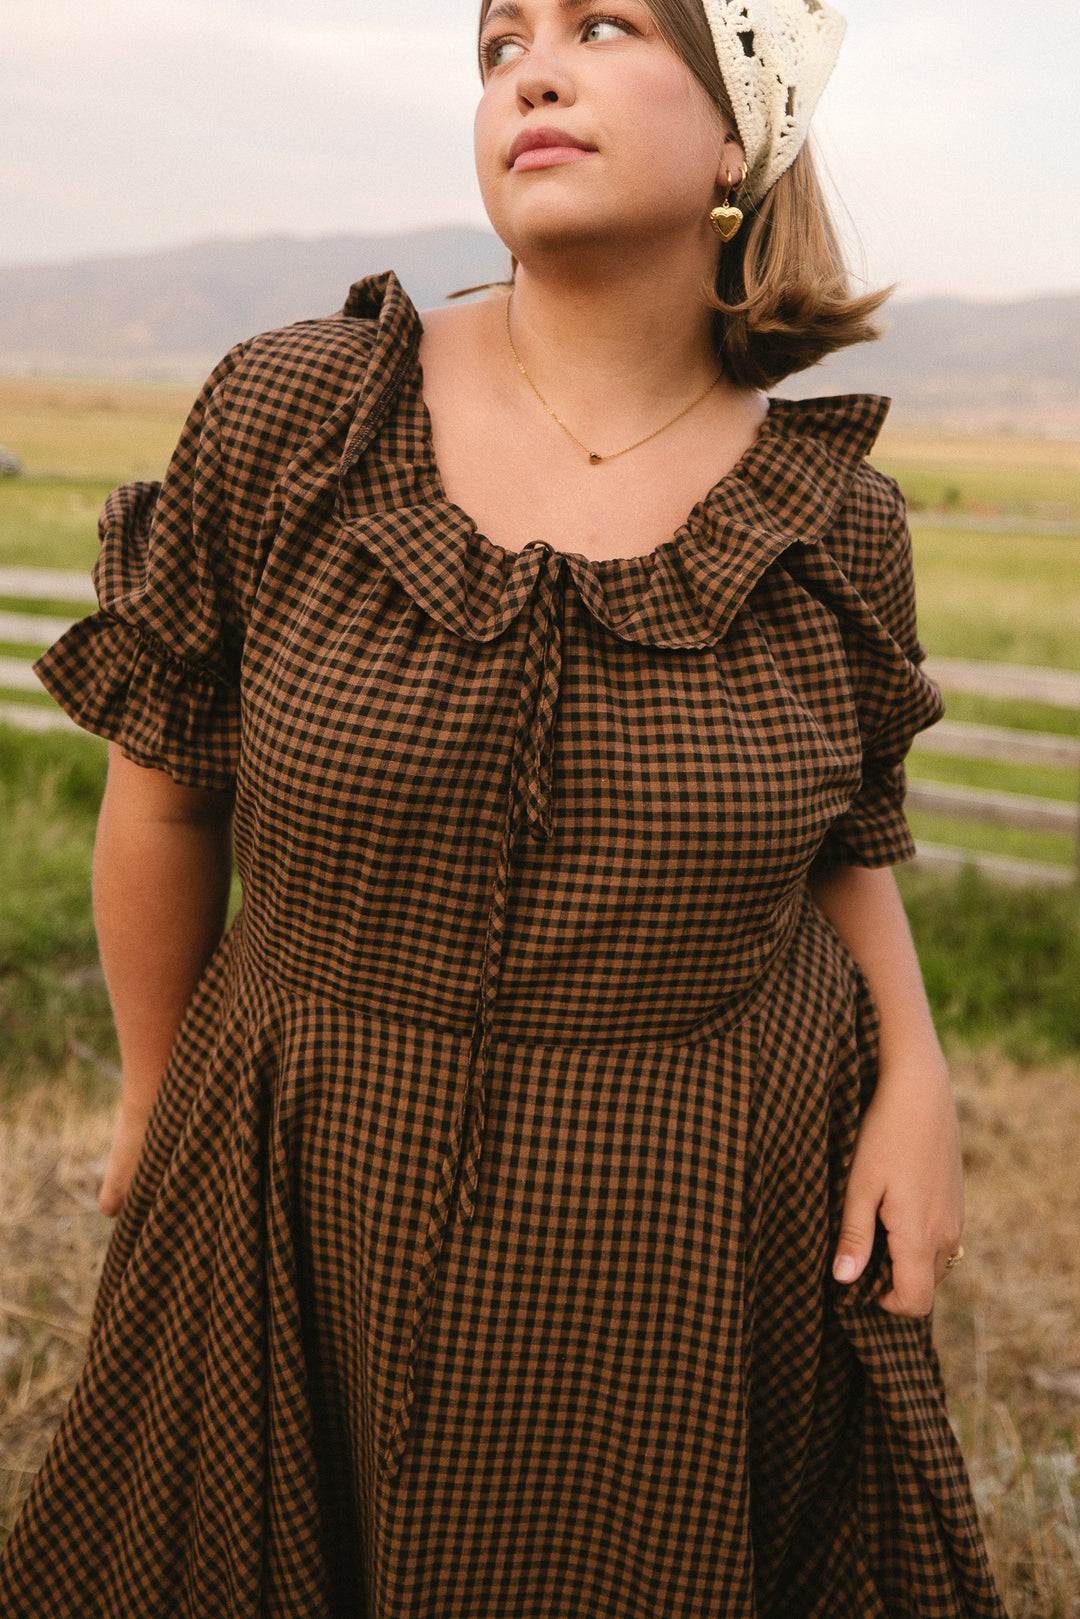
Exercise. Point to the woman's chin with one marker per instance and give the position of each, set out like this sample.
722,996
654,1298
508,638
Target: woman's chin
548,233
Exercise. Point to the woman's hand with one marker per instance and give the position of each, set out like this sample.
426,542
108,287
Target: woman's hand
906,1169
907,1173
123,1156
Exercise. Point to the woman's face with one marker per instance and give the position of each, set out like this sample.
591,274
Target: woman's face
592,129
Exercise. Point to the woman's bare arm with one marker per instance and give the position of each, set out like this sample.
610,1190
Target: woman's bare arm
906,1170
162,867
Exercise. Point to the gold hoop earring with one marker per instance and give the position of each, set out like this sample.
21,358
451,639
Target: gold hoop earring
726,220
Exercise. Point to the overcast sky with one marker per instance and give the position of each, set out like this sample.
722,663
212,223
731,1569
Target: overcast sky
950,127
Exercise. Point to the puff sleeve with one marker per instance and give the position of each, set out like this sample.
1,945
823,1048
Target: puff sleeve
894,697
156,668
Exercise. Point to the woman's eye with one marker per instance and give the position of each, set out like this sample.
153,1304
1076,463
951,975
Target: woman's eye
604,28
498,52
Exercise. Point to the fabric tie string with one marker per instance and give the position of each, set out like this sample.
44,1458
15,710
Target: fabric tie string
529,806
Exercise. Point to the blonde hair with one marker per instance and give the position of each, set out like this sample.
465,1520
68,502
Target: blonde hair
783,295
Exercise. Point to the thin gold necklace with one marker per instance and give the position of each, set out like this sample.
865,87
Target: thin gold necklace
594,455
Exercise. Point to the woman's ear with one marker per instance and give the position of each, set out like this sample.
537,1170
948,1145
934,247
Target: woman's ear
732,161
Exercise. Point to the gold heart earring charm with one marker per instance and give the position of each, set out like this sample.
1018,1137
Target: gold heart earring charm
726,220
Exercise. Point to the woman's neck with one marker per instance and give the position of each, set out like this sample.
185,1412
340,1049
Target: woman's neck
625,343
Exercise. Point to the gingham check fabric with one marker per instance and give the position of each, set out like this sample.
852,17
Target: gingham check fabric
477,1263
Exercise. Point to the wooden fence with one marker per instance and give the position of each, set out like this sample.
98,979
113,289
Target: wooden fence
1006,746
1050,687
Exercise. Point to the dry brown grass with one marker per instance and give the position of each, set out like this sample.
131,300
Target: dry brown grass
52,1242
1008,1326
950,450
1008,1322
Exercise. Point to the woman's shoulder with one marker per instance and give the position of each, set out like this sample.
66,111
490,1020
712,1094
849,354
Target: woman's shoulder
815,454
278,415
296,376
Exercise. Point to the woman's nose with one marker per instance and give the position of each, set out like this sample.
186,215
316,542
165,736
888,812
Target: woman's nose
545,79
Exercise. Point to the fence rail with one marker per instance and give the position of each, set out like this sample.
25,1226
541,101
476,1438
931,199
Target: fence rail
47,585
1000,809
969,741
1056,688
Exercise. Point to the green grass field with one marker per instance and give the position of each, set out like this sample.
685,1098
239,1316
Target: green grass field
1010,597
1037,479
56,1016
76,441
50,522
107,432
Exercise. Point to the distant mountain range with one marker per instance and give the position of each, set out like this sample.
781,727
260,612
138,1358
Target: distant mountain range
172,314
978,367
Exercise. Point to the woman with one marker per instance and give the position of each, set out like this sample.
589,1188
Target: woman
532,1219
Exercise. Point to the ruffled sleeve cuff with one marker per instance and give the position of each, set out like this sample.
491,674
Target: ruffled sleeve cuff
163,713
874,832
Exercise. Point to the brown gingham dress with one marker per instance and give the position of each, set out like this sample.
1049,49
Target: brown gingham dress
477,1264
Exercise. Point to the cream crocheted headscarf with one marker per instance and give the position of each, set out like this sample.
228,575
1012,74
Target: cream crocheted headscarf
775,57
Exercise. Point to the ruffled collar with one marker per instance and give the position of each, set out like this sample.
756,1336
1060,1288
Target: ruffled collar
787,490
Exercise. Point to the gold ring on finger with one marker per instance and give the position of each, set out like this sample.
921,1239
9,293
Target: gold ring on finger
954,1259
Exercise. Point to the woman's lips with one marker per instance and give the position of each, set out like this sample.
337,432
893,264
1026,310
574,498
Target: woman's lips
544,148
547,157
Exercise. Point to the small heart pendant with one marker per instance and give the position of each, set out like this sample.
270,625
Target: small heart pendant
726,221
